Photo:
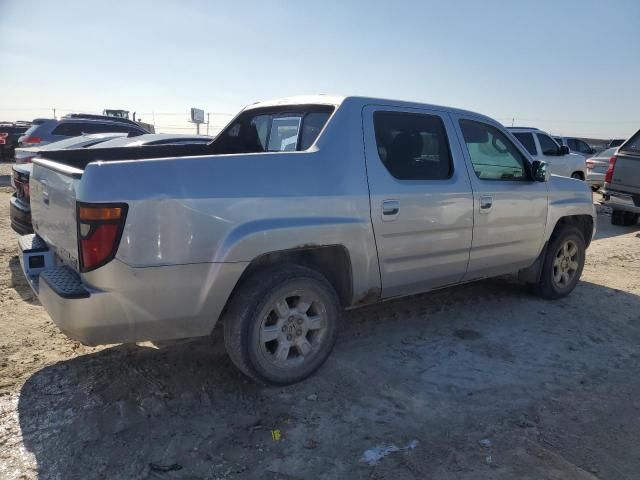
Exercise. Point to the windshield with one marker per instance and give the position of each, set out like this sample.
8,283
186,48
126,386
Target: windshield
284,129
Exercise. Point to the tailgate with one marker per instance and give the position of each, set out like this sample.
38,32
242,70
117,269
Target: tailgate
53,207
626,174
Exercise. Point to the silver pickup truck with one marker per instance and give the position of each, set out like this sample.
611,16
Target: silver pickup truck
621,189
298,209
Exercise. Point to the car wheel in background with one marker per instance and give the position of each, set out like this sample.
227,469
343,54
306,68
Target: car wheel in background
577,175
563,263
282,324
626,219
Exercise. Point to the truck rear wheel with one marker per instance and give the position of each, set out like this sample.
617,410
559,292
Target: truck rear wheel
282,324
563,263
626,219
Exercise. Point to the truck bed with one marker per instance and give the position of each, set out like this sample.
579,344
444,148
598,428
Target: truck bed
80,158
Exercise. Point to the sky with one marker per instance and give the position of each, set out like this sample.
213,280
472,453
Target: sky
568,67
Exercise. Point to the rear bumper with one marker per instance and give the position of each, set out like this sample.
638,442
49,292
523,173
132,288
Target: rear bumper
20,216
131,304
620,201
595,179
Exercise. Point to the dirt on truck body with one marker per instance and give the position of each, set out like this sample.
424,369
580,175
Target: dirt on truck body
480,381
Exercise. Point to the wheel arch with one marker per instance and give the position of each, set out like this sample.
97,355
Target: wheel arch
584,223
332,261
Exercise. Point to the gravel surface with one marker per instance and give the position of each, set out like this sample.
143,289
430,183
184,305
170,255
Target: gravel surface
480,381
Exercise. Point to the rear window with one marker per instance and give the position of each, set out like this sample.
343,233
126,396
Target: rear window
287,129
633,144
32,129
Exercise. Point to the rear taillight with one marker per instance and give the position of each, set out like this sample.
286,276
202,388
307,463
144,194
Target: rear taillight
3,138
99,230
4,134
612,165
32,140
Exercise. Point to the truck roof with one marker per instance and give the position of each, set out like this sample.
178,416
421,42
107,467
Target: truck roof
335,100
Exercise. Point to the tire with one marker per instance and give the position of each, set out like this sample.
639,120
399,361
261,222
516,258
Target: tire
277,343
552,283
622,218
577,175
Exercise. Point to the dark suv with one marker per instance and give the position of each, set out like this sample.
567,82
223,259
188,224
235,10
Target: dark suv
9,134
45,131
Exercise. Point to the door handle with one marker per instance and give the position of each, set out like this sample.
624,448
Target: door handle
486,202
390,209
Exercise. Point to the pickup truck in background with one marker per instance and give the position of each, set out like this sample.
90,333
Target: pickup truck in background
298,209
621,189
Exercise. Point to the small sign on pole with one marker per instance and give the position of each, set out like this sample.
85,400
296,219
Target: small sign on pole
197,117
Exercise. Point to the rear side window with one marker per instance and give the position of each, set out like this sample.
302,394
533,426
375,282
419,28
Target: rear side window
493,155
527,141
74,129
413,146
285,129
69,129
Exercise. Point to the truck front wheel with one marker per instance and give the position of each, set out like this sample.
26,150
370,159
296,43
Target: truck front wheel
563,263
282,324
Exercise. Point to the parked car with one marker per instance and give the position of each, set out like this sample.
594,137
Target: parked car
597,168
9,134
299,208
46,131
616,142
577,146
542,147
20,209
622,183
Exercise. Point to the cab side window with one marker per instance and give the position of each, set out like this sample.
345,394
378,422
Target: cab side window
547,145
413,146
493,155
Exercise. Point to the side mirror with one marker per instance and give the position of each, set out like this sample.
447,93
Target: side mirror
540,171
564,150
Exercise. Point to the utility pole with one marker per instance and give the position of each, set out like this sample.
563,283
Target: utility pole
54,113
208,123
512,120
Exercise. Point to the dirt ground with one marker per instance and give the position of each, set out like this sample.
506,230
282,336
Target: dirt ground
480,381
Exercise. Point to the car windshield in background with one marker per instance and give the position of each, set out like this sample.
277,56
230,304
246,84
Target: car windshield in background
273,130
632,145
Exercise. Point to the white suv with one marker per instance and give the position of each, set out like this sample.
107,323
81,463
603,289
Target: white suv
543,147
